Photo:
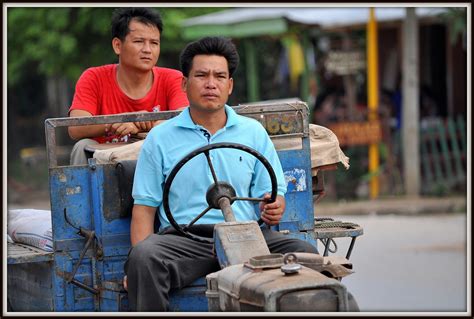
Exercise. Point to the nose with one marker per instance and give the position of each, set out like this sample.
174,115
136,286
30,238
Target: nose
146,47
210,83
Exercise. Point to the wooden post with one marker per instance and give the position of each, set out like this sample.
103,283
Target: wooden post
410,104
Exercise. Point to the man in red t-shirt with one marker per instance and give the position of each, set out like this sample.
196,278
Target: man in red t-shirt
135,84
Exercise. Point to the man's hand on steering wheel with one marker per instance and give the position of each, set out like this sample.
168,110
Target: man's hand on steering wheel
271,213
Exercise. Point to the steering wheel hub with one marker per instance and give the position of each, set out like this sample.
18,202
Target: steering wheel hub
218,190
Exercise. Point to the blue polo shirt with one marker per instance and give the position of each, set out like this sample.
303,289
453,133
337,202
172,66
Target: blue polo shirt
168,143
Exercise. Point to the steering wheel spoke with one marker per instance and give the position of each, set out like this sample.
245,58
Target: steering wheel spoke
208,156
195,219
251,199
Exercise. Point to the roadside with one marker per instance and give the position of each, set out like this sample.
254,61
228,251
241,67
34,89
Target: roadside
384,206
400,205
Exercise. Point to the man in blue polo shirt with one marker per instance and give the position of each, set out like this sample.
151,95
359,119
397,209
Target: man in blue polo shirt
160,262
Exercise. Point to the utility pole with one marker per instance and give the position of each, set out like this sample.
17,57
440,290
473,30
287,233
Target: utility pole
410,105
373,98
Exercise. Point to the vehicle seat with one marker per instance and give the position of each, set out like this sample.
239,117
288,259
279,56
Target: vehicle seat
125,173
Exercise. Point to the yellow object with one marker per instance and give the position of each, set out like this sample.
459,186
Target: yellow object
373,98
296,61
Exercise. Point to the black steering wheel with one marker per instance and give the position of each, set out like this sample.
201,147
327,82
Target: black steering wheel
220,195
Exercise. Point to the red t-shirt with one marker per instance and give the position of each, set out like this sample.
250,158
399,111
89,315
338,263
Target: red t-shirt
98,93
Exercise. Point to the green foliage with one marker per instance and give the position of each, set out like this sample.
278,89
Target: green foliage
456,18
65,41
439,189
60,41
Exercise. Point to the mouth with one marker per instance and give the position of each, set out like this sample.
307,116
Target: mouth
210,96
145,59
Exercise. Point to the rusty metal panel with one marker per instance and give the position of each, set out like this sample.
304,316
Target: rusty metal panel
236,242
332,229
241,289
19,253
29,286
279,119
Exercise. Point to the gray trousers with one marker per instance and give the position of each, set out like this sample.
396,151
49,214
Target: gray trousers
168,261
78,153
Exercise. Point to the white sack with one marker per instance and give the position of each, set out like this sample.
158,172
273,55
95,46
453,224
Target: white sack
31,227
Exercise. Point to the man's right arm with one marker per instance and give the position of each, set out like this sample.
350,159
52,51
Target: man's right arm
85,103
85,131
143,218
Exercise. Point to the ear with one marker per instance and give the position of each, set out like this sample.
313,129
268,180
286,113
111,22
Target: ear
117,45
231,85
184,82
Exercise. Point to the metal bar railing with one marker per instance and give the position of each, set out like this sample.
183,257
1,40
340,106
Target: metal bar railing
460,174
259,110
443,151
52,124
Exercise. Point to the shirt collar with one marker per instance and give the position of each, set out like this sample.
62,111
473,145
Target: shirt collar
184,119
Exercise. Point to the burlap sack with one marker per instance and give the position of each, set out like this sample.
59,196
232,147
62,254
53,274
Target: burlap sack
325,148
120,153
324,145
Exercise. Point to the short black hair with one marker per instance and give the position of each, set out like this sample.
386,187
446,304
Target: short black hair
220,46
121,20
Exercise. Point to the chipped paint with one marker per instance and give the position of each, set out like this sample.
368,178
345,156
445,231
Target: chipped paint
73,190
295,180
62,178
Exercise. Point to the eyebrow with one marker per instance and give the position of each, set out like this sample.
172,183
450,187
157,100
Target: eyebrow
133,30
209,71
144,38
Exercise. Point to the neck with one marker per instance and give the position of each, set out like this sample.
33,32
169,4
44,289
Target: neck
211,121
134,84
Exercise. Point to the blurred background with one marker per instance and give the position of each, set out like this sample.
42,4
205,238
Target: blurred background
390,82
318,55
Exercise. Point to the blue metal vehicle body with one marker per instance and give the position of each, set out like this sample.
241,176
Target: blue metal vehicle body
91,222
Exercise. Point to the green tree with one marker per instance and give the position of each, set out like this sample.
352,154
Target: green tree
65,41
58,41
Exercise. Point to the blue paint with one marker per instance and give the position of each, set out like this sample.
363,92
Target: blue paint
299,214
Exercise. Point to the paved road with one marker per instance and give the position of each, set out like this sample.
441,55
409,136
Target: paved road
403,263
409,263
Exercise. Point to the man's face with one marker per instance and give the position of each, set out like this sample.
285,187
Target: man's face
208,84
141,47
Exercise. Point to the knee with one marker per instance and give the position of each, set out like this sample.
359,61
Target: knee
81,144
78,155
142,254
